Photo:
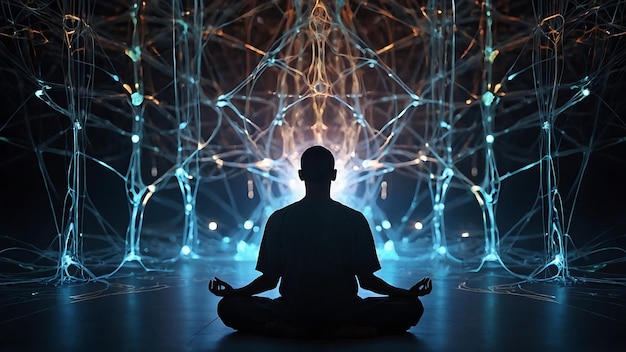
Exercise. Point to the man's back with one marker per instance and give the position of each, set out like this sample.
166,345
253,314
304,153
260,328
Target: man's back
317,247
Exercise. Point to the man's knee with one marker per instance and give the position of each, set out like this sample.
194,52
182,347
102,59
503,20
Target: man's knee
410,310
227,309
416,309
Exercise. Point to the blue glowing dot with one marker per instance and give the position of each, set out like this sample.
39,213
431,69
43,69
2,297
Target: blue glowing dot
386,224
378,228
136,98
419,225
248,224
241,246
586,91
185,250
488,98
256,229
511,77
226,240
212,226
116,78
188,207
442,250
388,246
489,138
491,257
134,53
67,261
134,138
221,101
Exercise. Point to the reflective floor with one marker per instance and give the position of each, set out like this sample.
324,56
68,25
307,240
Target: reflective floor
173,311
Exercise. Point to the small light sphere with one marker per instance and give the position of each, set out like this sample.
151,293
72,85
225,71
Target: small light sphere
419,225
386,224
241,246
134,138
226,240
136,98
388,246
185,250
442,250
489,138
212,226
248,224
465,234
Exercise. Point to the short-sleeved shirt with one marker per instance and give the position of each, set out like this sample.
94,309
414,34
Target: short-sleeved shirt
317,247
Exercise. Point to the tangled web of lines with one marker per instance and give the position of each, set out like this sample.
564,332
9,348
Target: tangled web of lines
463,130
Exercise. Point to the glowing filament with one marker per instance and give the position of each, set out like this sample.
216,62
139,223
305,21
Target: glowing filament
250,189
383,190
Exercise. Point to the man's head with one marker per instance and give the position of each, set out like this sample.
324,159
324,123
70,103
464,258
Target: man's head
317,165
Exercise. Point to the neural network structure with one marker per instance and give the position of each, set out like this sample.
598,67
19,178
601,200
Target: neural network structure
162,130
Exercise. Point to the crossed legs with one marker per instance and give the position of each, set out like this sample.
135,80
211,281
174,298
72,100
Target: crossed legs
385,314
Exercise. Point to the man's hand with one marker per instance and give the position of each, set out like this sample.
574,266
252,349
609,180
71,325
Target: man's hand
422,288
220,288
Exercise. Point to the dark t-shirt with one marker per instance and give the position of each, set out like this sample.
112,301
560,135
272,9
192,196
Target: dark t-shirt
317,247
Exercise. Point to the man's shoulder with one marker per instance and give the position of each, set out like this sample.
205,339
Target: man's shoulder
348,209
332,206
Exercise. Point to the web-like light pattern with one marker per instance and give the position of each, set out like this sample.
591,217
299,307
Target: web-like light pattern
200,110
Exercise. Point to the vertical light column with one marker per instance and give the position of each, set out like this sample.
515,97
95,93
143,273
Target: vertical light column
77,72
547,67
487,193
137,192
187,60
440,142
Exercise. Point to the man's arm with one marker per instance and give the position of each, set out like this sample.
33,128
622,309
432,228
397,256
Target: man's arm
375,284
261,284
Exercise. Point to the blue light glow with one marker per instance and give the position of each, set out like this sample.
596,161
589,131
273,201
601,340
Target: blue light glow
248,224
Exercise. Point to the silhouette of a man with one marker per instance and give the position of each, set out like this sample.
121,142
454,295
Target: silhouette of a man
318,248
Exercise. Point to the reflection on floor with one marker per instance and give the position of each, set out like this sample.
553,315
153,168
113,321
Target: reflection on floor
173,311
